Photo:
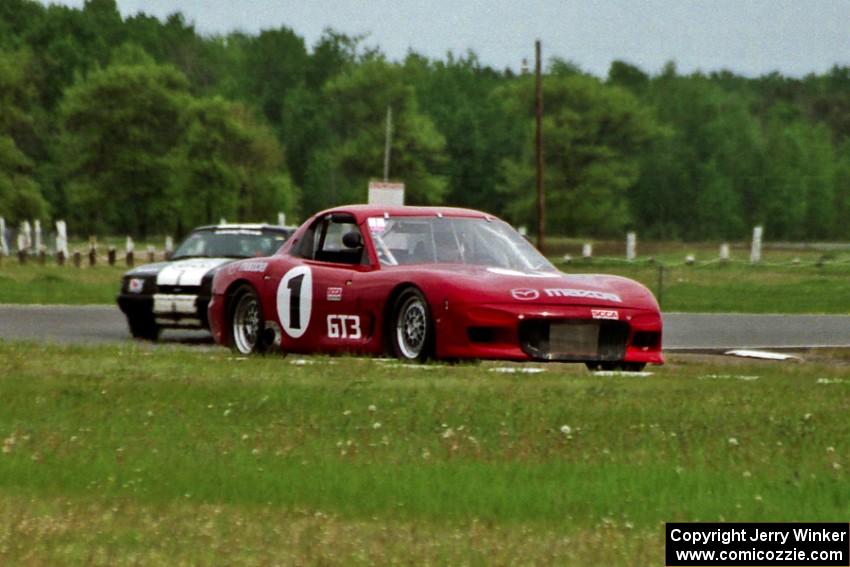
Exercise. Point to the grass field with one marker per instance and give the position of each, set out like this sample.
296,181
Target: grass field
736,287
51,284
124,454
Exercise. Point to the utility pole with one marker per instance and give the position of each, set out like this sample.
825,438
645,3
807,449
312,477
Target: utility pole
388,142
541,225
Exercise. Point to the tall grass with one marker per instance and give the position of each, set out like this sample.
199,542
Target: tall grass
362,438
578,467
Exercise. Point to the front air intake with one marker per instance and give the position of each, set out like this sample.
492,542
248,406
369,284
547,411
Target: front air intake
574,339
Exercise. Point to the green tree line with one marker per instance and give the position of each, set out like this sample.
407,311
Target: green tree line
142,126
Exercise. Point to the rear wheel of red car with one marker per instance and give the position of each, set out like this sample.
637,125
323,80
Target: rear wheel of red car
246,321
412,331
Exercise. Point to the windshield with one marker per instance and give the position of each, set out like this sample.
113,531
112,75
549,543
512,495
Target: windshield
471,241
229,244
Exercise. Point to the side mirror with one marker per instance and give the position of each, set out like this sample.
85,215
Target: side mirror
352,239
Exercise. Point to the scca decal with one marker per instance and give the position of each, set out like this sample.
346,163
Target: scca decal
605,314
295,301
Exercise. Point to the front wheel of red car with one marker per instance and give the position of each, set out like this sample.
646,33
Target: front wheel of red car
246,321
412,331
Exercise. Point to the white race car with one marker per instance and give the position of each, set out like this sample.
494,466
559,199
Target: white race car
175,294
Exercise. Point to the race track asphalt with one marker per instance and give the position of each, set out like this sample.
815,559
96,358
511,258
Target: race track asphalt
77,324
682,331
723,331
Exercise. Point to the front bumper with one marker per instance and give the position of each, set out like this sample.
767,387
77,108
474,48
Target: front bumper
184,311
548,333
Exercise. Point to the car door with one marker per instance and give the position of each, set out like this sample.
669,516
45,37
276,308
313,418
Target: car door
317,293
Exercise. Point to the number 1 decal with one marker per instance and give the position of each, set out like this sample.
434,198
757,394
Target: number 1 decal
295,300
294,287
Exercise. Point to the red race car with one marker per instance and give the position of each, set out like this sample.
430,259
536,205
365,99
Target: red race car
420,282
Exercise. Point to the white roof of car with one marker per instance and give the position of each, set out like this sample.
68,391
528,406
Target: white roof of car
245,226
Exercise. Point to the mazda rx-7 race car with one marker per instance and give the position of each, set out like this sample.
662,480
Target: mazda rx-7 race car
175,293
420,282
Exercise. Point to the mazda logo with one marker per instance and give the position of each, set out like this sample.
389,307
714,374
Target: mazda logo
525,294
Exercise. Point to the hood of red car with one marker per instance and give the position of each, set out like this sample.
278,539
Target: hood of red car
478,284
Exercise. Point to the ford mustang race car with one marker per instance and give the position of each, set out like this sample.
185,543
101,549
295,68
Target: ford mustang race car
420,282
176,293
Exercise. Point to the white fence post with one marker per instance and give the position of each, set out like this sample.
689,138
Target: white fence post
4,246
61,238
724,252
587,251
169,247
36,245
755,251
25,243
631,246
281,219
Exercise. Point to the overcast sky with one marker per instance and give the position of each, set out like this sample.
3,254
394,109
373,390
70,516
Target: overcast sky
750,37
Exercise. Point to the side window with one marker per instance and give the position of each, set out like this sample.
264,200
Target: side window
333,236
323,241
332,248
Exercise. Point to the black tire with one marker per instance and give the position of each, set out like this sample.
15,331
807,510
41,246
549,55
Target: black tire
411,328
143,327
623,366
596,366
245,321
